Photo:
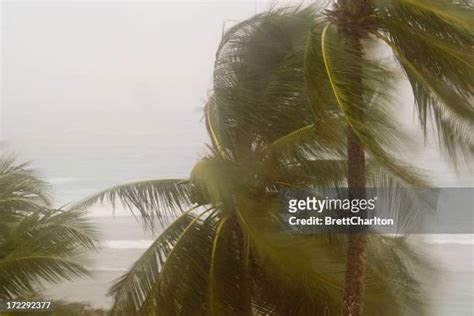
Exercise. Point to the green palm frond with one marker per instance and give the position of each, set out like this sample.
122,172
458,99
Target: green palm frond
212,127
443,15
433,44
281,103
212,268
258,77
406,203
179,287
52,233
43,247
313,266
20,188
290,258
311,142
37,244
131,290
330,67
231,290
22,274
153,200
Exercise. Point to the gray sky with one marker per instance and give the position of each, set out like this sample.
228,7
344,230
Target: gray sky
116,81
76,69
99,93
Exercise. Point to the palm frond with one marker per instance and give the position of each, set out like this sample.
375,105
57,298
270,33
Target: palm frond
330,67
132,288
211,123
433,43
313,266
52,233
408,204
258,90
212,272
42,246
178,287
20,188
23,274
153,200
311,142
37,244
292,258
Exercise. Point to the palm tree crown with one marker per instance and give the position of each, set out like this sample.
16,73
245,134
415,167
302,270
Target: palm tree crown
224,252
37,243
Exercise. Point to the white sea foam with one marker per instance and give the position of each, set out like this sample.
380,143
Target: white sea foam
107,269
62,180
127,244
465,239
459,239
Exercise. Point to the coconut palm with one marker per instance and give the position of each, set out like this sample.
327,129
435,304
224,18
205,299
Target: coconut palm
432,43
222,251
38,244
226,253
349,88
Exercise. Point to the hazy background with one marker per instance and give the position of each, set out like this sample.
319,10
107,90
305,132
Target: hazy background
100,93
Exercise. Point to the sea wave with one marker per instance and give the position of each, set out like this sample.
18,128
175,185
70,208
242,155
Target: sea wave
107,269
127,244
433,239
63,180
464,239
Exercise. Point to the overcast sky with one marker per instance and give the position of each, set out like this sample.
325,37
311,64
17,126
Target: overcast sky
96,76
109,92
76,69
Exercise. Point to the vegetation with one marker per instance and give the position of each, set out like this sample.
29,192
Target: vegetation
300,100
38,244
283,100
432,43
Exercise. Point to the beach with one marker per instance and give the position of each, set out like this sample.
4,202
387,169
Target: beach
124,241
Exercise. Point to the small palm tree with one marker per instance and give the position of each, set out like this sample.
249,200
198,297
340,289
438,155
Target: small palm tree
37,243
222,251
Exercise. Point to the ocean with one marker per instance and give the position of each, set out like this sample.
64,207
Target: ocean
111,93
124,241
76,172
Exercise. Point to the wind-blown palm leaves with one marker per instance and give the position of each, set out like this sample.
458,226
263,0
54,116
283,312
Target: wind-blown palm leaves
225,253
261,109
153,200
37,243
229,255
432,43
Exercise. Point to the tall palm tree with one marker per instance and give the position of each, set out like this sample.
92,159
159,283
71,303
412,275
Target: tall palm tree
226,253
222,251
37,243
432,42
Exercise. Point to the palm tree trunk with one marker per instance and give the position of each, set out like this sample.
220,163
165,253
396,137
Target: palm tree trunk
353,304
356,244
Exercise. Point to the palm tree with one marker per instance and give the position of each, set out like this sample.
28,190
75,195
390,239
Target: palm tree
37,243
432,43
222,251
225,253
